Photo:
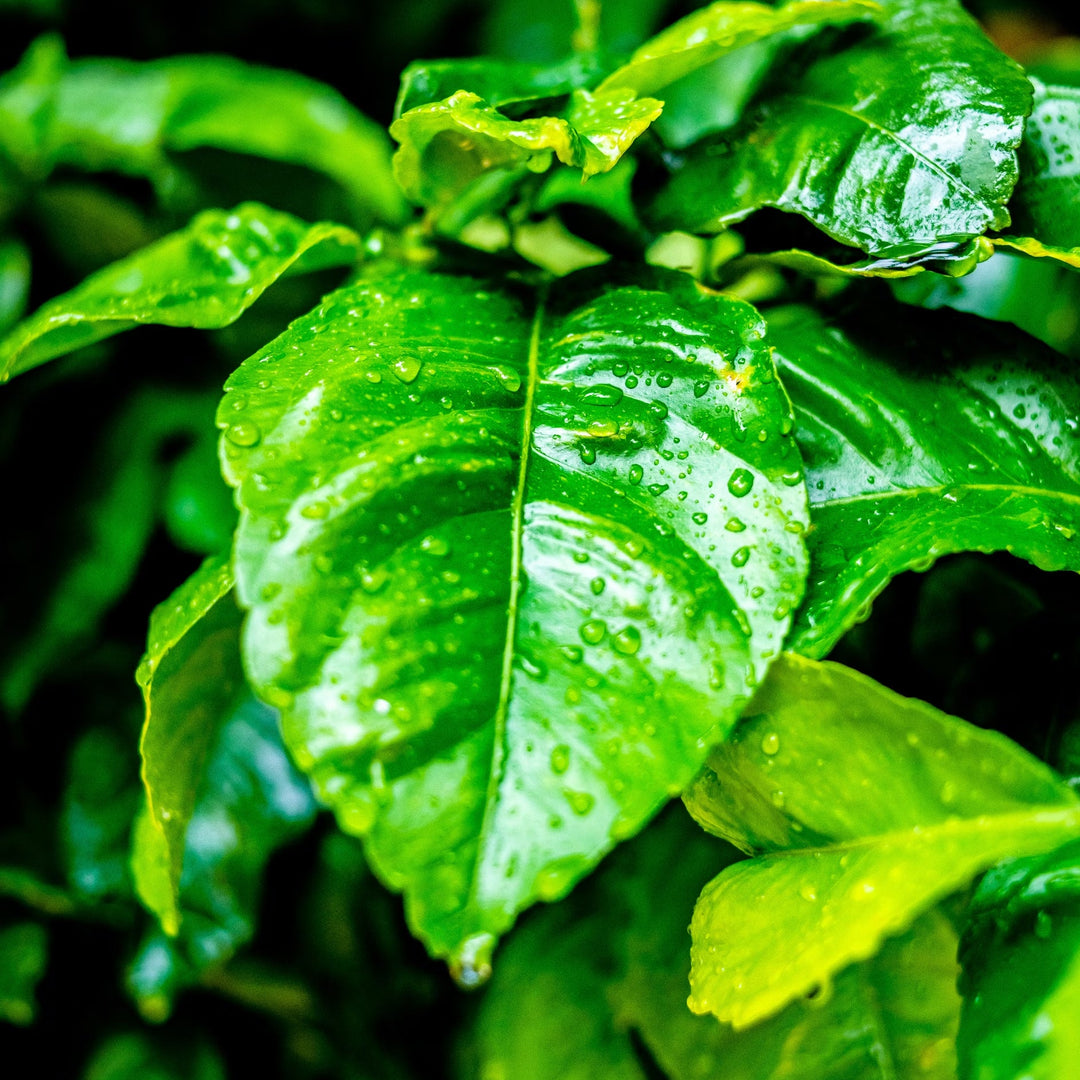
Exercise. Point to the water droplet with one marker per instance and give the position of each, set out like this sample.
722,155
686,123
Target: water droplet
373,376
740,482
770,744
791,478
592,631
657,489
808,892
740,557
581,802
470,966
778,799
627,641
573,653
603,429
507,376
244,433
664,379
588,454
406,368
636,473
699,518
597,585
735,525
434,545
560,759
603,394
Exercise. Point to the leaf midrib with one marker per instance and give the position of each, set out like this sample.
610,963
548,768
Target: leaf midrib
897,493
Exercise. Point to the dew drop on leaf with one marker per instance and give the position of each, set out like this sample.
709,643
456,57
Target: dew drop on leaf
770,744
243,433
627,641
406,368
560,758
593,630
740,482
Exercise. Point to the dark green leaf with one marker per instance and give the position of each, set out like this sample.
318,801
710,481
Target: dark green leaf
1045,208
511,566
924,436
720,28
871,808
197,504
204,276
1021,980
23,955
14,282
189,676
136,1056
903,140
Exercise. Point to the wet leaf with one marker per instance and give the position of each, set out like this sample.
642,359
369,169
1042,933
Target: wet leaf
203,276
903,140
1021,979
511,564
923,436
720,28
870,808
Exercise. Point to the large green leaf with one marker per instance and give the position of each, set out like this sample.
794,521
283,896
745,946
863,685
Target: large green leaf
127,116
512,563
1021,980
190,676
448,145
902,140
720,28
872,808
23,955
580,985
1045,208
203,276
925,435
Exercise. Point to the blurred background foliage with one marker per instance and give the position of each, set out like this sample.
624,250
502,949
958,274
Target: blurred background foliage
298,964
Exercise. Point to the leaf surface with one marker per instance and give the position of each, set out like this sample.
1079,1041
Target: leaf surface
902,140
23,955
189,676
511,564
923,436
870,808
718,29
204,276
1021,979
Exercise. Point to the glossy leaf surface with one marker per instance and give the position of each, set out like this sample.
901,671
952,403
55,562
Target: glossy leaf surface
720,28
23,955
1021,980
1045,208
923,436
903,140
848,862
190,676
129,117
447,145
511,564
203,276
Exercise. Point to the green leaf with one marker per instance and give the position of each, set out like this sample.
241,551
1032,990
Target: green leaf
189,676
132,117
903,140
203,276
874,807
448,145
713,31
136,1056
1021,978
14,282
109,526
511,565
1044,207
923,436
23,955
498,82
197,504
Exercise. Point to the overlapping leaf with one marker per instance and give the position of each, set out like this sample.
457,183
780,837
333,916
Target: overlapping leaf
923,436
903,140
511,564
870,809
1021,979
203,276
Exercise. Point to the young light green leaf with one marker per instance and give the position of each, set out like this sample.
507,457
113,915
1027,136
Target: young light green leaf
874,808
1044,207
521,567
23,956
189,676
203,276
1021,979
132,117
720,28
903,140
923,436
448,145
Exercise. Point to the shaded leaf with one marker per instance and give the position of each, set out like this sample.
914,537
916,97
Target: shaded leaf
502,609
189,676
14,282
23,955
720,28
448,145
203,276
1044,208
136,1056
903,140
871,807
923,437
1021,978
